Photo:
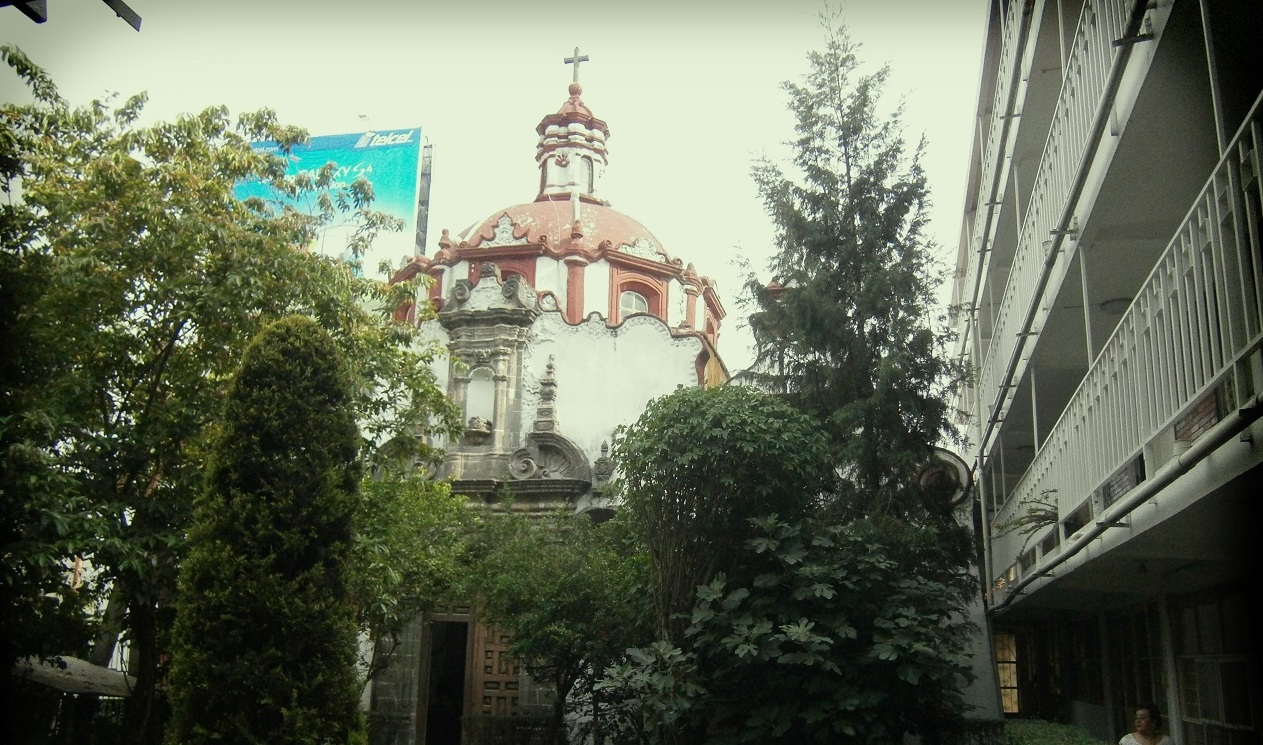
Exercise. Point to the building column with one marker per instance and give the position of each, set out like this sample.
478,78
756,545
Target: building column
690,305
575,266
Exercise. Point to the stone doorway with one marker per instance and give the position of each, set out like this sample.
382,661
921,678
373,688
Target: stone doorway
445,692
471,690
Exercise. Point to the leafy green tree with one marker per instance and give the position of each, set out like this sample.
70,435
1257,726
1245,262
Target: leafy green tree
693,470
264,640
570,594
411,551
849,634
138,279
837,633
695,467
654,692
856,611
846,328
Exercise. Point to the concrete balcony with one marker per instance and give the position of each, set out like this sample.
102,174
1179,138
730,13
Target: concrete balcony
1158,434
1029,206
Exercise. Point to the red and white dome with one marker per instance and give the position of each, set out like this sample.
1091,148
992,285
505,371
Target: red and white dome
581,255
556,226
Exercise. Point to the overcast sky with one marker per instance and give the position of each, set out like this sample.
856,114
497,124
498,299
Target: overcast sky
690,90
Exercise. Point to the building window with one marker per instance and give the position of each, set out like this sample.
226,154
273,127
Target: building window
631,302
1215,664
1006,671
632,293
586,178
1077,520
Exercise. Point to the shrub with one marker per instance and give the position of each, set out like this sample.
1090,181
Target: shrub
1038,732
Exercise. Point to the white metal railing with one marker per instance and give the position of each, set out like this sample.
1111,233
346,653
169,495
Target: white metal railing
1197,315
1077,120
1015,28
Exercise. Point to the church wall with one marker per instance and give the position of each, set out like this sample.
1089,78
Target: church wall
676,310
596,288
458,271
605,376
550,276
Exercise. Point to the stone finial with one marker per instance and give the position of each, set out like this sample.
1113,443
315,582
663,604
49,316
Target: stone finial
603,468
546,415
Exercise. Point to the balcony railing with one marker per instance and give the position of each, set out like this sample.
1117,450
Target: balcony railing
1015,28
1091,74
1196,320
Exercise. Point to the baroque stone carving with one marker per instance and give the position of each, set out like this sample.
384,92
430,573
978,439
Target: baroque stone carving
549,455
603,468
502,233
644,248
477,430
543,462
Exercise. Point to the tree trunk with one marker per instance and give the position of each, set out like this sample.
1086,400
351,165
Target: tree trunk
144,718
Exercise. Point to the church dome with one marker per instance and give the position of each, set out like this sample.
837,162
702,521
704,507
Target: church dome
553,224
578,255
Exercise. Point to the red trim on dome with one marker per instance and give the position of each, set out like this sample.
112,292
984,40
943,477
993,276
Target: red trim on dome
405,313
436,287
575,270
524,268
414,267
653,289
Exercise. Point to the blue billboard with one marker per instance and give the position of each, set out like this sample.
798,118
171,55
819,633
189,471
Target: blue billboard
389,159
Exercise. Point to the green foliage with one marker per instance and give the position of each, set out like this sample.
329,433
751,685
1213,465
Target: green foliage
845,634
264,640
137,279
694,467
653,691
568,591
848,634
1037,732
42,520
410,552
808,588
845,329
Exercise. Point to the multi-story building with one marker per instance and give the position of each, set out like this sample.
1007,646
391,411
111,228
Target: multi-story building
1107,296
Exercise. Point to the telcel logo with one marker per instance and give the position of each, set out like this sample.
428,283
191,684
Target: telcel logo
373,139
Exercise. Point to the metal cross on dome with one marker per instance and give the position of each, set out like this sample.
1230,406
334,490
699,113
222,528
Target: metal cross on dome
575,60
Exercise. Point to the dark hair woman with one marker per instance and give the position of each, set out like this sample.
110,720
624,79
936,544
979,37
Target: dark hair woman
1148,724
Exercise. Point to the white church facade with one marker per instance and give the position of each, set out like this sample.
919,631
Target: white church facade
564,318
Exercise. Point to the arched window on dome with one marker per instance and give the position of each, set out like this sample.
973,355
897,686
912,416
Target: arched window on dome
633,292
635,295
631,302
586,178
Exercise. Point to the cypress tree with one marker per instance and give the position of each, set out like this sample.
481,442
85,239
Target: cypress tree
845,329
264,639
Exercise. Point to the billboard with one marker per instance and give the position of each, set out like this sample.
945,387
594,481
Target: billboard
389,159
